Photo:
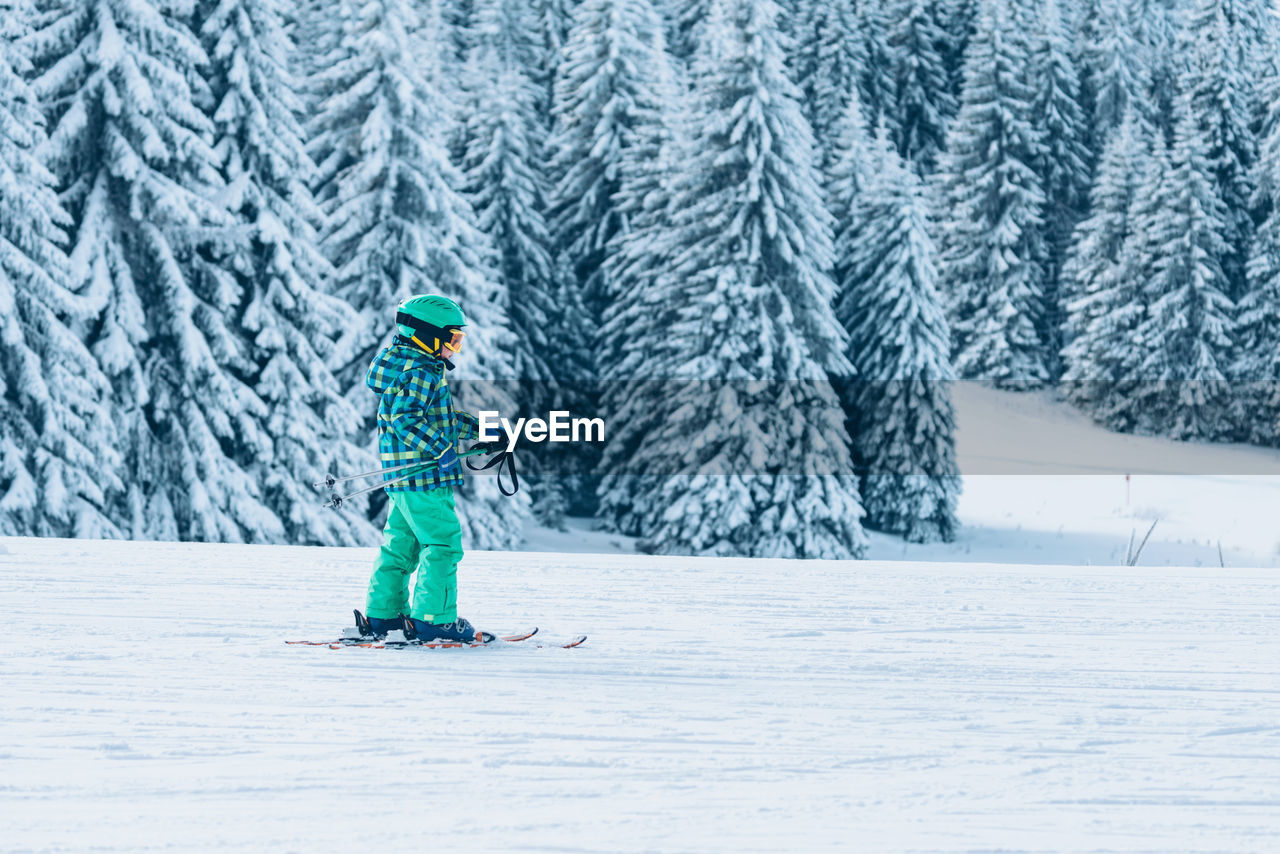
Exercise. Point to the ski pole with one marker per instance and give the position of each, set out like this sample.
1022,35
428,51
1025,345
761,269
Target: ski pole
336,500
331,481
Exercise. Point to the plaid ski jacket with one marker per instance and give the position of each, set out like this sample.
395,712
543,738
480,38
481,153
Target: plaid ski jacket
416,418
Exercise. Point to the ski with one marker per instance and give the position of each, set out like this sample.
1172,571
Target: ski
362,635
385,643
395,640
392,643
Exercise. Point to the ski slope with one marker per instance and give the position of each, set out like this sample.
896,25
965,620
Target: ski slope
1045,485
150,704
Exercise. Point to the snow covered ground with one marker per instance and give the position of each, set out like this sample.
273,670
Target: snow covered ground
1045,485
984,695
149,703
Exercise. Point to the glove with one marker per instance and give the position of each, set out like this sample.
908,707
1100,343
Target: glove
448,461
494,446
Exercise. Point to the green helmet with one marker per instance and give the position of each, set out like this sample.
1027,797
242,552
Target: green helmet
427,310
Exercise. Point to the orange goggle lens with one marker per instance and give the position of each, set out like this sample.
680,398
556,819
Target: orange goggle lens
455,343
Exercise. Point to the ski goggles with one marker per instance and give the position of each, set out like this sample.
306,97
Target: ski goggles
433,338
454,342
443,339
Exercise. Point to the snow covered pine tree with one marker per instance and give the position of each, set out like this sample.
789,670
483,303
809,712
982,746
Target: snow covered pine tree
132,152
508,191
287,317
992,212
899,400
59,468
742,330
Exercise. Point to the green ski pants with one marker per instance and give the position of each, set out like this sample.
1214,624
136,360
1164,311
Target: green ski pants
422,533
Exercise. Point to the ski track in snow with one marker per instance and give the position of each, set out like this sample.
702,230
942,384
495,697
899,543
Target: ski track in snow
149,703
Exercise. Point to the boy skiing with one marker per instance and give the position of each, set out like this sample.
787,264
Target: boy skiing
417,422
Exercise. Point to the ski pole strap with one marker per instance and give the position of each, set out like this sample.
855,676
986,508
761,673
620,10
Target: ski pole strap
503,460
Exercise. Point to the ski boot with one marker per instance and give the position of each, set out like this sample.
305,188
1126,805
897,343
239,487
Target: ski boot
459,631
376,627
